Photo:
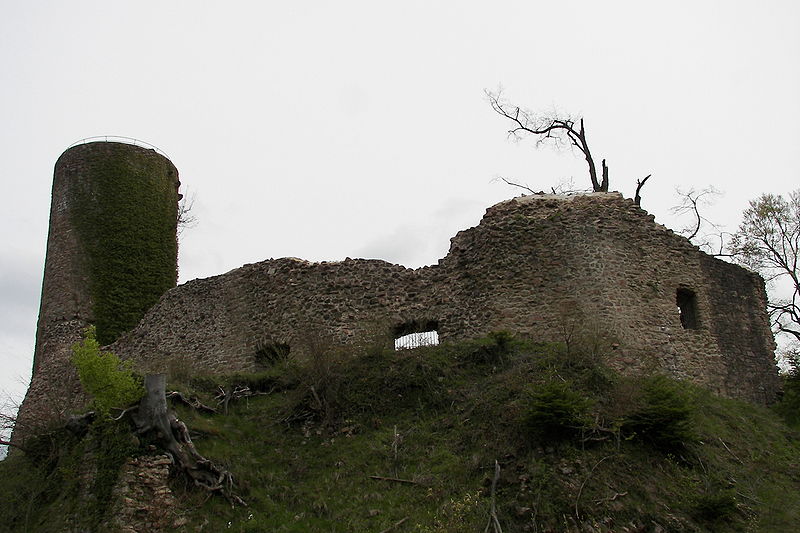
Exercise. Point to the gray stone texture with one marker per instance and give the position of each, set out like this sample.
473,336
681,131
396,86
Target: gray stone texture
593,266
592,269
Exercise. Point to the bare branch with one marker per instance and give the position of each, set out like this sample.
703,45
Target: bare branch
555,129
185,217
508,182
692,202
4,442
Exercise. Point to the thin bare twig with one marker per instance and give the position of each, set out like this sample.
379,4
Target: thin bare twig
395,525
193,402
394,479
611,498
4,442
589,475
493,522
125,412
730,451
509,182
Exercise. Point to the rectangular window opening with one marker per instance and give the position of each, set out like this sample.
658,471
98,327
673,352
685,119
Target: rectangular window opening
686,301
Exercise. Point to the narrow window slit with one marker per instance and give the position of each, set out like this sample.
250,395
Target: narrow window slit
686,301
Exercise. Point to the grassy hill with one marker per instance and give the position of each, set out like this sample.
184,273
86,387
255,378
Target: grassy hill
379,441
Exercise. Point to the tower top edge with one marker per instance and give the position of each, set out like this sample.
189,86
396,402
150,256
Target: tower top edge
117,139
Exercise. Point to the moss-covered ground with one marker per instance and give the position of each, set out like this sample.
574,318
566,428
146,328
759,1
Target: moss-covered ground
407,441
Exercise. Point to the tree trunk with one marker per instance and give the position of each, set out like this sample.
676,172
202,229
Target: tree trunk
153,417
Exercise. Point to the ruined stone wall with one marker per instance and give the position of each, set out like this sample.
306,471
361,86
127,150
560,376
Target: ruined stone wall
142,498
112,216
543,266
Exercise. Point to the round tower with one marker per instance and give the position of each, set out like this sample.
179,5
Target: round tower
111,253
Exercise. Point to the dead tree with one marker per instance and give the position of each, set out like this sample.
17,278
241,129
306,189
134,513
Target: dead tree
637,198
548,128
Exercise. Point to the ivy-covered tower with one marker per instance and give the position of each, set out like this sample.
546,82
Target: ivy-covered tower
111,253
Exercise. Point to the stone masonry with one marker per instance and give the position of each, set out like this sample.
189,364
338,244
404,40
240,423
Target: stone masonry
534,266
543,266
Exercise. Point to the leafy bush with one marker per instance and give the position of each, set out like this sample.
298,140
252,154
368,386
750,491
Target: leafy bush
555,411
320,380
663,416
490,349
715,506
110,382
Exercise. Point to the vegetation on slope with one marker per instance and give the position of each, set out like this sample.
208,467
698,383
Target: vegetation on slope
407,441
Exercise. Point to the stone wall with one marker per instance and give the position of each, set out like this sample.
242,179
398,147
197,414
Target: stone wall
142,498
542,266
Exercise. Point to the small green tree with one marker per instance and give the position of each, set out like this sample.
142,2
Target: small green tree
663,417
109,381
554,411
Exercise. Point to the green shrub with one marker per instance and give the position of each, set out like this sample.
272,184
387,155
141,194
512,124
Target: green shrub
662,417
716,506
320,380
110,382
554,411
491,349
789,406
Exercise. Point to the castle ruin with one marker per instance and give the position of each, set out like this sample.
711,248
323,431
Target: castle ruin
535,265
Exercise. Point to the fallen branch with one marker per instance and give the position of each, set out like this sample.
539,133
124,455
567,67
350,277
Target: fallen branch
396,480
493,522
730,451
225,395
611,498
589,475
745,496
316,397
193,402
395,525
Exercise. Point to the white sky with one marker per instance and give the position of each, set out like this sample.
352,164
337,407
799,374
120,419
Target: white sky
330,129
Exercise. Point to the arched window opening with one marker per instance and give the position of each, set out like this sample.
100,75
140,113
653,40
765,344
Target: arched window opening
416,333
270,353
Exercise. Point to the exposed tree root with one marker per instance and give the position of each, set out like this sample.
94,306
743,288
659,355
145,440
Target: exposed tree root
192,402
153,417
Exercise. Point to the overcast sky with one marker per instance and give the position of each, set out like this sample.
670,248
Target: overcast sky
324,130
